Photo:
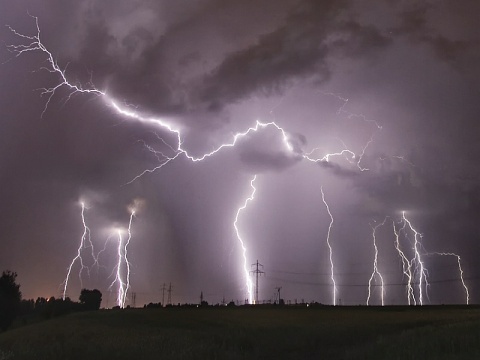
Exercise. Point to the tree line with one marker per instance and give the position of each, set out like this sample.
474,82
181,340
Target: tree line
12,306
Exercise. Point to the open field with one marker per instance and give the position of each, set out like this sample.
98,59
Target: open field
252,333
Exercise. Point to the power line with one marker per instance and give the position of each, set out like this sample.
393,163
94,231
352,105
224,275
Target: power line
363,285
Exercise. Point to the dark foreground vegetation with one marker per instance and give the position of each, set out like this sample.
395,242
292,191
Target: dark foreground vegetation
260,332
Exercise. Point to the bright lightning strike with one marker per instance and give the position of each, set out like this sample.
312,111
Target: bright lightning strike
83,244
467,294
125,252
375,271
417,260
406,265
330,248
122,269
36,44
248,280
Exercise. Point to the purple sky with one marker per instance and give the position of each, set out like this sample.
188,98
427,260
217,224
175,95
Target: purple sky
410,71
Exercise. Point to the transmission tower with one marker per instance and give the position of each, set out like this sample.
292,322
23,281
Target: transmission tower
164,287
257,272
169,300
133,299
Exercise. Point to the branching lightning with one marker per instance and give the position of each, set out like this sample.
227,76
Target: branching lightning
85,241
330,248
249,282
406,265
122,269
37,45
417,260
375,271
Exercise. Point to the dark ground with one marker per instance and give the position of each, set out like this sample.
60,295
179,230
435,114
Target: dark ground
442,332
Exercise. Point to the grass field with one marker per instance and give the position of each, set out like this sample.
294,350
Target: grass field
252,333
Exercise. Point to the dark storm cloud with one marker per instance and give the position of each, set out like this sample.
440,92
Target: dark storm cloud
131,61
298,49
414,24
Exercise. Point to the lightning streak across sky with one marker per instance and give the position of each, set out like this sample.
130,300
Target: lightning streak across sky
334,295
37,45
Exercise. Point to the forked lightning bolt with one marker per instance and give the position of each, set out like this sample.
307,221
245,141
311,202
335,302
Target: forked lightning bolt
330,248
375,271
417,260
35,44
122,269
85,241
249,282
406,265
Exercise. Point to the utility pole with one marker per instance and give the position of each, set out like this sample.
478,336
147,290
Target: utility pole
169,301
164,287
257,272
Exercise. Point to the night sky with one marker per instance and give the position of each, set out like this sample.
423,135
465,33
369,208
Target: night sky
395,82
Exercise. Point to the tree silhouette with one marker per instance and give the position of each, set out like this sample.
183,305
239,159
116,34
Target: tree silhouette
90,299
10,297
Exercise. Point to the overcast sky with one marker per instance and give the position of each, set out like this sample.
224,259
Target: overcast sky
394,82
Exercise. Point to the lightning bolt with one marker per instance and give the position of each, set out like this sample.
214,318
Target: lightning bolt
85,238
375,271
96,262
467,294
35,44
417,259
249,283
118,271
406,265
122,277
334,295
